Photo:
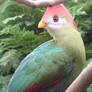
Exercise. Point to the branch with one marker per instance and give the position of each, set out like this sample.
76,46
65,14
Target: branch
40,3
82,82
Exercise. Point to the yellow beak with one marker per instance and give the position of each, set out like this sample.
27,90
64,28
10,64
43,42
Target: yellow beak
42,24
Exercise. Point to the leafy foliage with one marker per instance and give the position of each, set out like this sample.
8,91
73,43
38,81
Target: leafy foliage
4,83
26,17
24,41
9,62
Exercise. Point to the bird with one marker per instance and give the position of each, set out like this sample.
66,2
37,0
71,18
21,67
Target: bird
52,66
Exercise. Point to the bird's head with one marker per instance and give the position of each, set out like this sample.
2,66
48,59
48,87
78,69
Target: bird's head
56,18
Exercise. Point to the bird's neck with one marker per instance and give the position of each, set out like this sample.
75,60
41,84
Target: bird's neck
64,34
71,40
68,38
61,34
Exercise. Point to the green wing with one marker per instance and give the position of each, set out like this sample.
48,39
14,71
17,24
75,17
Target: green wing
44,65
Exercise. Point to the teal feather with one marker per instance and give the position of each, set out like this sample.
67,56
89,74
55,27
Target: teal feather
44,65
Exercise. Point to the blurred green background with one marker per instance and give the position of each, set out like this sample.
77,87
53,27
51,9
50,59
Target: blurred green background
19,34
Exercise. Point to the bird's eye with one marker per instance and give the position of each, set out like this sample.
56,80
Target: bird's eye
55,18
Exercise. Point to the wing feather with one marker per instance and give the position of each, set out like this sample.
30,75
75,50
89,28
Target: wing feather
43,66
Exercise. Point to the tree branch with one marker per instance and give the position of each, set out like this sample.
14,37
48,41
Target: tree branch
40,3
82,82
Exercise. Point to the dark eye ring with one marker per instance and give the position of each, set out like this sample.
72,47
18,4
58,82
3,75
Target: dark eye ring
55,18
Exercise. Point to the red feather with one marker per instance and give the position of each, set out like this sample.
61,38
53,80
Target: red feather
60,10
35,87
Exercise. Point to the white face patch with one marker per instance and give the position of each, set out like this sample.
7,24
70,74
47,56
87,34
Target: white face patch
52,25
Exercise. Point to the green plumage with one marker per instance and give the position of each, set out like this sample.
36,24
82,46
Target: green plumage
38,68
49,62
